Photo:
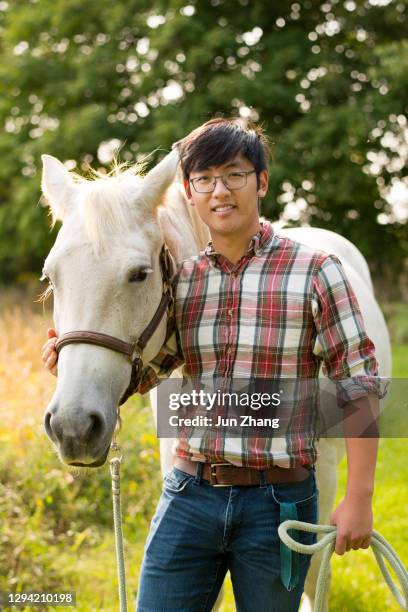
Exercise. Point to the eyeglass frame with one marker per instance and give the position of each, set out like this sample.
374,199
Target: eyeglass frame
221,176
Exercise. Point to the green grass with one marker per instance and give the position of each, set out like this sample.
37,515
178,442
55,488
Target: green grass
400,360
57,526
358,585
396,315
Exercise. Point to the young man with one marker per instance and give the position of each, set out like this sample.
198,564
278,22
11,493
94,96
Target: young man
253,305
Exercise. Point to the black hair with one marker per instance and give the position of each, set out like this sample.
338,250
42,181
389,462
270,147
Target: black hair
219,140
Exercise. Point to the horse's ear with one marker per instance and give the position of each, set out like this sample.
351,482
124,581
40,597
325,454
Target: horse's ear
57,186
159,179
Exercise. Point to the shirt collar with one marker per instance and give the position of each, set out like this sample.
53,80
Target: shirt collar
255,245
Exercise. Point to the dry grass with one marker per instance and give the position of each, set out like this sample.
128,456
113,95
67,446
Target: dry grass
25,386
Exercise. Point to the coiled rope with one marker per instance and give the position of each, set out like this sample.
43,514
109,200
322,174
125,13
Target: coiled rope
381,549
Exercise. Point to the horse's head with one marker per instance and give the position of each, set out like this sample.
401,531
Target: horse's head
105,275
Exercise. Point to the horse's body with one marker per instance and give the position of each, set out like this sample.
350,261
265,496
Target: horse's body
112,232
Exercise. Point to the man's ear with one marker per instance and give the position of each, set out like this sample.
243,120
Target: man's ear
262,184
187,189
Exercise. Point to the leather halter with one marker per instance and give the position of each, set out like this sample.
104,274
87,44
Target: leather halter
132,350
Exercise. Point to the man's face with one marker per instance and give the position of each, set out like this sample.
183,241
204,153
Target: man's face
228,212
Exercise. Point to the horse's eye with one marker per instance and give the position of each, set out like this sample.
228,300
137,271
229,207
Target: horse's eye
138,276
44,277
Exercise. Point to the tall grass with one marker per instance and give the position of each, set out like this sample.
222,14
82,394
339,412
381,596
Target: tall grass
56,525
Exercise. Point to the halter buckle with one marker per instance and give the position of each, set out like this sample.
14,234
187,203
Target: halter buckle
136,354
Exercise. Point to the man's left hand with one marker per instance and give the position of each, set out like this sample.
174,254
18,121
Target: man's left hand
353,518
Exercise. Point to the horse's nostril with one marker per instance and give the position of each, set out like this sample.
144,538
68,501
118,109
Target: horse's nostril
95,428
52,426
47,424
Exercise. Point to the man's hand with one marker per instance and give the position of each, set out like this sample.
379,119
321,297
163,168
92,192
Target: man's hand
49,354
353,518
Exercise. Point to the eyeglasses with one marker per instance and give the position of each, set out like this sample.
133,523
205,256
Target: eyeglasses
232,181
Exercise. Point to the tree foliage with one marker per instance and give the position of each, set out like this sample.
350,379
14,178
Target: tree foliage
327,79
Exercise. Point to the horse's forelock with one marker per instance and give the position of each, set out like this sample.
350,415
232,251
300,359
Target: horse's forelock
109,207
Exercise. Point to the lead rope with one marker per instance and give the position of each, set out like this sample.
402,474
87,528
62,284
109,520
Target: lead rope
381,549
114,465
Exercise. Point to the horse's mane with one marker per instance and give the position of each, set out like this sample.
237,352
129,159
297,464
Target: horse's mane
107,208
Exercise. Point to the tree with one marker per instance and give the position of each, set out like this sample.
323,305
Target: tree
326,78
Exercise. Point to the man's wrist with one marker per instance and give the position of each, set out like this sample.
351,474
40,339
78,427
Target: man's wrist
361,494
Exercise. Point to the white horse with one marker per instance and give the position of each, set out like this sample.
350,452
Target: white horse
105,273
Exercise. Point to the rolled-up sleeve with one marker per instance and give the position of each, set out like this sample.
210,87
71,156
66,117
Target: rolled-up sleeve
342,343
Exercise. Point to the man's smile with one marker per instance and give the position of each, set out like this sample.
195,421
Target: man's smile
223,208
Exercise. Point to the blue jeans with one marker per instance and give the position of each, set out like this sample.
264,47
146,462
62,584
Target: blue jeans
199,532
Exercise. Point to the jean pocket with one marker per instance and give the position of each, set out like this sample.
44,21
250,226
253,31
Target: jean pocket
298,493
175,481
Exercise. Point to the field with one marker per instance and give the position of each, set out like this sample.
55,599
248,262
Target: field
56,525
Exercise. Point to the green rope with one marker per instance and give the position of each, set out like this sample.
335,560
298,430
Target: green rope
381,549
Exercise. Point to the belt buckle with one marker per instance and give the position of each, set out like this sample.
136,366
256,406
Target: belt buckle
213,475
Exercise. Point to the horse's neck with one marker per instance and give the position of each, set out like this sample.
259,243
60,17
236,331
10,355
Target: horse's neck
183,231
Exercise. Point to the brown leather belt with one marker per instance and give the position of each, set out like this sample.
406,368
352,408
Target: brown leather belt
228,475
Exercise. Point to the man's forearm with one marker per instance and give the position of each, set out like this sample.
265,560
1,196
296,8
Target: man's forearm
361,417
361,462
353,516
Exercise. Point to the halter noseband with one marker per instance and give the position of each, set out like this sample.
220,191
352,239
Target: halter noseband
132,350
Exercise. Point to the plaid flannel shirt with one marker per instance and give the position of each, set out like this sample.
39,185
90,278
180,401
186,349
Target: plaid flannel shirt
281,311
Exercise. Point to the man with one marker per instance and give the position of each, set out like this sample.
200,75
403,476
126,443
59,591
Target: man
252,306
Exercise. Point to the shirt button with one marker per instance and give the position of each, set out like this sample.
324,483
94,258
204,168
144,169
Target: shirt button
230,312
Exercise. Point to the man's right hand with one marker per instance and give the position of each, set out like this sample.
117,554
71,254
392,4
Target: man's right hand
49,354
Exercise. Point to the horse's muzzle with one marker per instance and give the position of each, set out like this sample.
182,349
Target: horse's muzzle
82,440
